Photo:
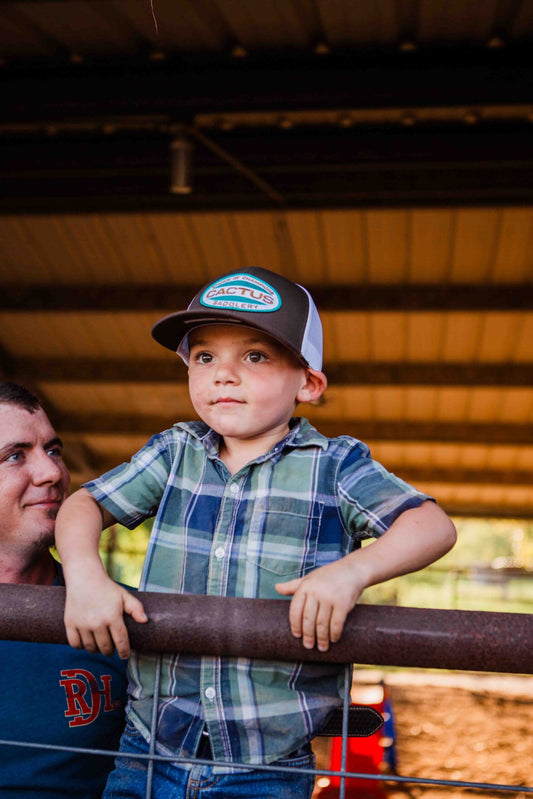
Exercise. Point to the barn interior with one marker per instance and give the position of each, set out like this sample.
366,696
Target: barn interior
379,153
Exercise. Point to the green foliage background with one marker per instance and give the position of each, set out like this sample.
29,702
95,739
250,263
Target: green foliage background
490,568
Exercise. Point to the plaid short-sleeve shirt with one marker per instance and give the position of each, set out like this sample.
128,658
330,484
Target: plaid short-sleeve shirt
307,502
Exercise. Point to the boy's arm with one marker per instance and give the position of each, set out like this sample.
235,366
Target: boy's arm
95,604
323,598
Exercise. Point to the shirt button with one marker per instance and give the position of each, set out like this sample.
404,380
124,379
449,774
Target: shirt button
210,693
234,488
219,553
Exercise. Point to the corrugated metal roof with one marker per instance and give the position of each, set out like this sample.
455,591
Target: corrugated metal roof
441,392
121,26
436,245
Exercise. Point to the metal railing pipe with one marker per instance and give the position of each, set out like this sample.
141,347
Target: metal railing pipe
227,626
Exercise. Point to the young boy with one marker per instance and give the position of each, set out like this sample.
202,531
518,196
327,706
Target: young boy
248,502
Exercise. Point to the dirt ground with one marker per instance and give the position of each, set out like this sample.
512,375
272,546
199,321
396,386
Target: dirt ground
465,727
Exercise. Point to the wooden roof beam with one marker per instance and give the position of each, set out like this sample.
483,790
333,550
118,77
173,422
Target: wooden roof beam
439,168
134,87
462,476
7,365
303,167
485,511
9,370
80,458
352,373
489,434
392,298
368,430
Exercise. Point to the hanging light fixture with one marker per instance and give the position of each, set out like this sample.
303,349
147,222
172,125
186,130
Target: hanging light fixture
181,165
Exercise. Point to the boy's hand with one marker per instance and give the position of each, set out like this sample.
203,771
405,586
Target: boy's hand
94,615
321,601
323,598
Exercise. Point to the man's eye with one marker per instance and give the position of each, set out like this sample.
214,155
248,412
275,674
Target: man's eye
55,452
14,457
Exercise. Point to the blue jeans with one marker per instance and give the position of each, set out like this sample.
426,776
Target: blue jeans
171,781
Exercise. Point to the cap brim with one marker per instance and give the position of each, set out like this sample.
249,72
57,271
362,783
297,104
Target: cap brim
172,329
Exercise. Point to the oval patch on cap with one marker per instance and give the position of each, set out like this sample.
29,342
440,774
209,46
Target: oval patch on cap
241,292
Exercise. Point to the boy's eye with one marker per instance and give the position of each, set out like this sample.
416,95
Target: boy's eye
256,356
203,357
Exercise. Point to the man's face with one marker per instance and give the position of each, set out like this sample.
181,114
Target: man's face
33,479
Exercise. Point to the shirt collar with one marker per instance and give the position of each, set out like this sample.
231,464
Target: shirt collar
302,434
305,435
203,433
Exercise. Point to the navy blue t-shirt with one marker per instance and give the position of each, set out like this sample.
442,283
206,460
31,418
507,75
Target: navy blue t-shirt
54,694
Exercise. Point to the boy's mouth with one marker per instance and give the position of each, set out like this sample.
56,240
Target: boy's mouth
227,401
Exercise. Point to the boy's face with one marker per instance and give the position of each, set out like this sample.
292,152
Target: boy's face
243,383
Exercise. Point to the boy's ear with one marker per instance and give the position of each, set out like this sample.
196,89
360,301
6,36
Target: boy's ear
314,386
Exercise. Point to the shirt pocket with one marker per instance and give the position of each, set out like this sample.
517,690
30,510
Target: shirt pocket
282,539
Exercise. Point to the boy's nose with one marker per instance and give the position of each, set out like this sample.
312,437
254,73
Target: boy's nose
226,372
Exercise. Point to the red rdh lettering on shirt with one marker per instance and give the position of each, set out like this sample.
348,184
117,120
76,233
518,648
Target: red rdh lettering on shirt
84,698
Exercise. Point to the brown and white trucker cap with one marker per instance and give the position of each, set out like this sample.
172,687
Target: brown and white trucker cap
252,297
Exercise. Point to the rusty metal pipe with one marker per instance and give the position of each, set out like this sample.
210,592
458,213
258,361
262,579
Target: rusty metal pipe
377,635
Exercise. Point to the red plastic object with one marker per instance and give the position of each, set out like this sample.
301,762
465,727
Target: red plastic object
363,755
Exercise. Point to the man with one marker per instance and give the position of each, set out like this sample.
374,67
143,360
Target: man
49,694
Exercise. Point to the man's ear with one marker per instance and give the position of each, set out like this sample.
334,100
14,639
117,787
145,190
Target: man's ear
314,386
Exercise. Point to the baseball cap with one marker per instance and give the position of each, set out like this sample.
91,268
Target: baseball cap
252,297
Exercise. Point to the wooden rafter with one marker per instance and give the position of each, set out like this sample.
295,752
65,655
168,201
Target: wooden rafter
351,373
367,430
48,298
